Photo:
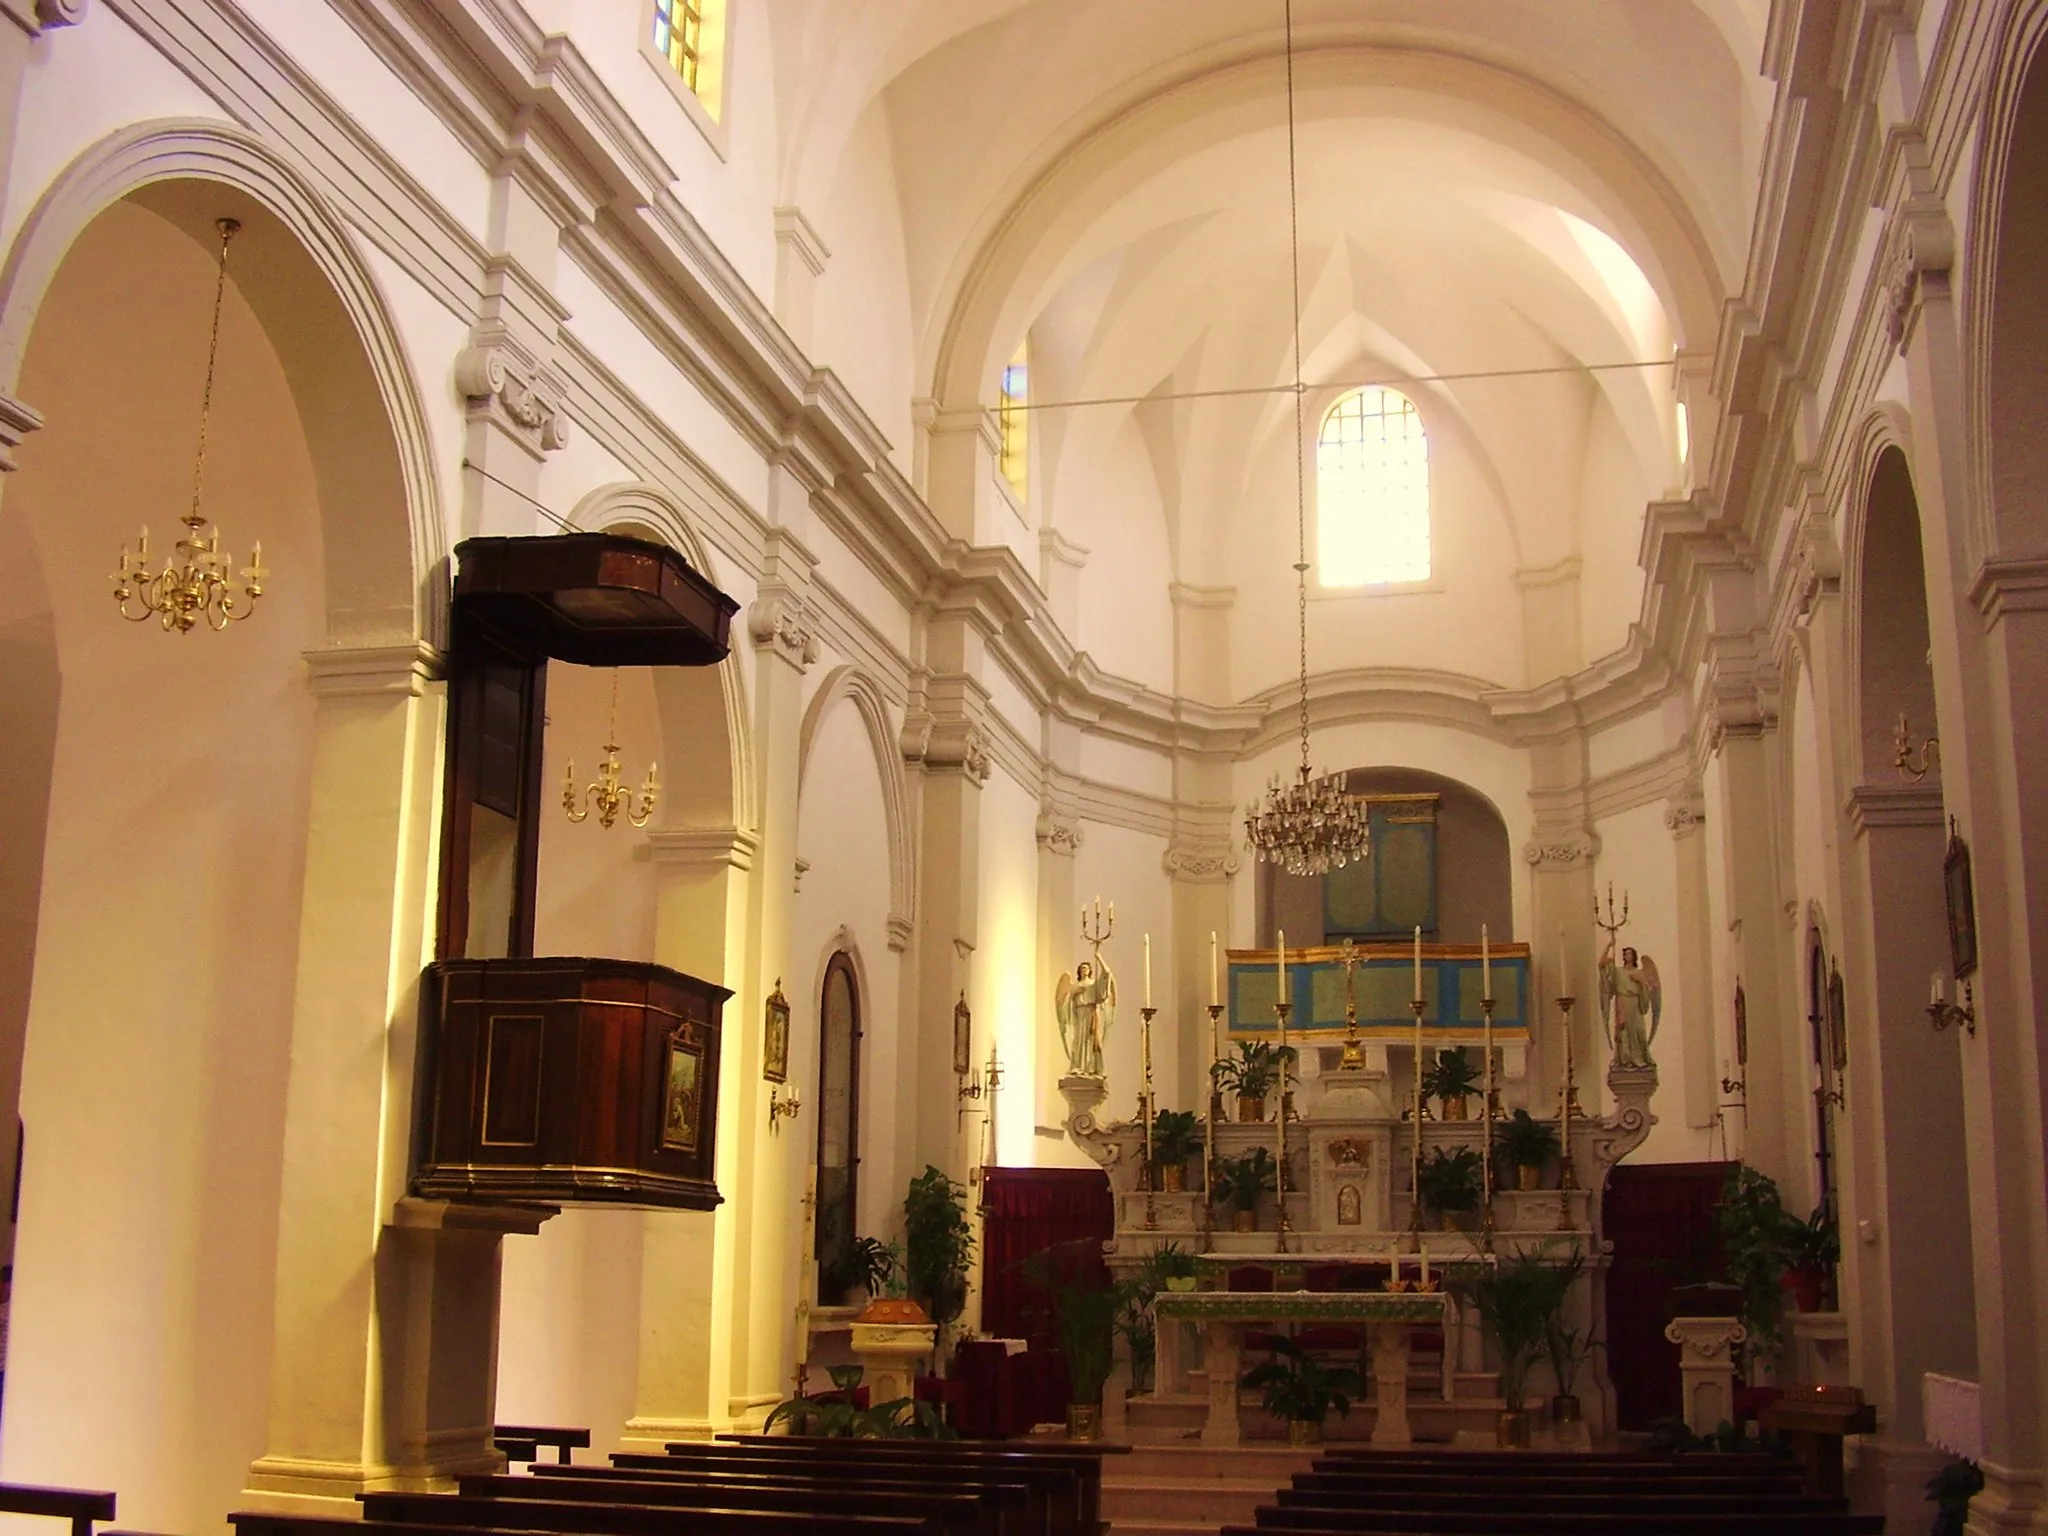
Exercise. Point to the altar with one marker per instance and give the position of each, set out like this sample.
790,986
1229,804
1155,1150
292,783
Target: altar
1344,1170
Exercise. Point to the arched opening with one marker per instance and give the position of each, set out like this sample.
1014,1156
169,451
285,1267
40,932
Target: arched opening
162,887
1916,1198
838,1208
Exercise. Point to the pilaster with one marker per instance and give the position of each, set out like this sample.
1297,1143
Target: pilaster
800,257
1060,837
1684,817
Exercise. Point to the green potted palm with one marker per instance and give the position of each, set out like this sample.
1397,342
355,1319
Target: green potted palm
1517,1300
1812,1248
1451,1080
1302,1389
1254,1072
1566,1346
938,1245
1239,1183
1527,1145
1448,1183
1173,1143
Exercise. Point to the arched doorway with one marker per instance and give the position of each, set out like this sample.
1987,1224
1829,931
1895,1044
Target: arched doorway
839,1033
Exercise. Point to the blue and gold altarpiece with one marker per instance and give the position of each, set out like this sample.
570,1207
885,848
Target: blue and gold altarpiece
1452,987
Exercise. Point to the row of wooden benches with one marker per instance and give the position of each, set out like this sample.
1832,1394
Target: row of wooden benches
746,1485
1459,1493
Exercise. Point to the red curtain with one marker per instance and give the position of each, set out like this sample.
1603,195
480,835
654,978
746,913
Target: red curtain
1660,1218
1027,1211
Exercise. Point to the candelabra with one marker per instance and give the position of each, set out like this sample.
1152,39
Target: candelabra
1567,1106
1486,1135
779,1108
1281,1010
1902,753
1419,1113
608,796
1215,1113
197,584
1145,1016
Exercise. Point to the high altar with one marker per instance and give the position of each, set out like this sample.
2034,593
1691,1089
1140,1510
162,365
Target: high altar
1349,1159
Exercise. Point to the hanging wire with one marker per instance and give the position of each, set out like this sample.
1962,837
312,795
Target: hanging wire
1300,424
227,228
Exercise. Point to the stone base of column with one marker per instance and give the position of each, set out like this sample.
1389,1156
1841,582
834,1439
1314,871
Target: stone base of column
1706,1368
2014,1503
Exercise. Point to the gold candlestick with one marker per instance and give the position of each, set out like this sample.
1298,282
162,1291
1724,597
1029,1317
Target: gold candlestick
1486,1136
1568,1101
1215,1113
1415,1125
1282,1009
1151,1168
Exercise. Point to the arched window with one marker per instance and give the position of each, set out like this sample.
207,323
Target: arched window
1013,419
1372,491
838,1129
690,35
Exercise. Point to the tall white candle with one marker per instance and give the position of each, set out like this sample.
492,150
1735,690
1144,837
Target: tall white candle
1215,972
1425,1262
1564,966
1281,936
1418,962
1485,964
1148,970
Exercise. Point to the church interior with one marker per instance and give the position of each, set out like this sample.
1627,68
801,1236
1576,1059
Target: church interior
1154,766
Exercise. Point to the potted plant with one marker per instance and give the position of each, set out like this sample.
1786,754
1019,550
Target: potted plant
1252,1074
938,1245
1751,1221
1239,1183
1173,1143
1168,1267
1086,1317
1302,1390
1448,1183
1811,1248
888,1292
1565,1345
1526,1145
1517,1300
1452,1080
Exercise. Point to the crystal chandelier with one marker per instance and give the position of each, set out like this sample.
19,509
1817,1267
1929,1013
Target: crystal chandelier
1311,826
608,796
196,584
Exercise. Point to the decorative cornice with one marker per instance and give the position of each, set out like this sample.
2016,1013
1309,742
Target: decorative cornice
343,672
947,746
797,233
17,419
34,16
704,847
1200,863
2010,584
900,930
780,621
1923,251
1894,805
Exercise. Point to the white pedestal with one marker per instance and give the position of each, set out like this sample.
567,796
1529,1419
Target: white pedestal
1706,1368
889,1352
1390,1429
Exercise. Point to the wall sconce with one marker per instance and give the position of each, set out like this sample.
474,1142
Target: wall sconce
1902,756
779,1107
1942,1013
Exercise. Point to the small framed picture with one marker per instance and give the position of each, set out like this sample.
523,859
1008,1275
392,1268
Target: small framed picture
775,1046
963,1038
682,1102
1962,905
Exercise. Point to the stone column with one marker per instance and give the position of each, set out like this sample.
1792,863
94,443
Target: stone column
1561,862
1060,835
384,1368
1683,816
703,879
1201,869
1706,1368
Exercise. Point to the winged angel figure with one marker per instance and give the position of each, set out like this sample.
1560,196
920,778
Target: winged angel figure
1085,1002
1632,1002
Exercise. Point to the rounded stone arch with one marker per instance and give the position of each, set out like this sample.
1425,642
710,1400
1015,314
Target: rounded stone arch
1883,575
354,388
978,315
858,689
2005,262
686,697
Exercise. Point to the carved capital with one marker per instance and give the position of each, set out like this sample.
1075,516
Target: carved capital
17,420
1629,1126
1059,833
947,746
1200,863
506,385
1561,851
35,16
780,621
899,929
1684,817
1923,251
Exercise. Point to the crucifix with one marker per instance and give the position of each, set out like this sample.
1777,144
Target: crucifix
1354,1059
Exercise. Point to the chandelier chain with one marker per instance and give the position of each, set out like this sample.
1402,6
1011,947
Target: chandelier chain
1300,423
227,227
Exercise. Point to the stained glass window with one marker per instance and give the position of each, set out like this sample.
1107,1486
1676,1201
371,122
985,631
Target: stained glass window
1372,491
688,33
1013,420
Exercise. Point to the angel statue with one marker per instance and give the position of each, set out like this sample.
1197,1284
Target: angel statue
1632,997
1085,1002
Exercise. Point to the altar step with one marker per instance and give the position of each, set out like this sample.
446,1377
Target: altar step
1187,1490
1470,1419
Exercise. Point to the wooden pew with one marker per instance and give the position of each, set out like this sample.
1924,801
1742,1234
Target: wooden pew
702,1522
1071,1486
522,1442
1018,1508
968,1511
81,1506
935,1514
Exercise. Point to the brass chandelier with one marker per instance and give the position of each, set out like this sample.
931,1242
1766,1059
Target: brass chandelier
1311,826
609,796
196,584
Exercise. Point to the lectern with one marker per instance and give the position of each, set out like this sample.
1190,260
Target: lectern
555,1079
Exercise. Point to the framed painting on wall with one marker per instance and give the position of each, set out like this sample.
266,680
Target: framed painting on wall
1962,905
682,1102
775,1037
